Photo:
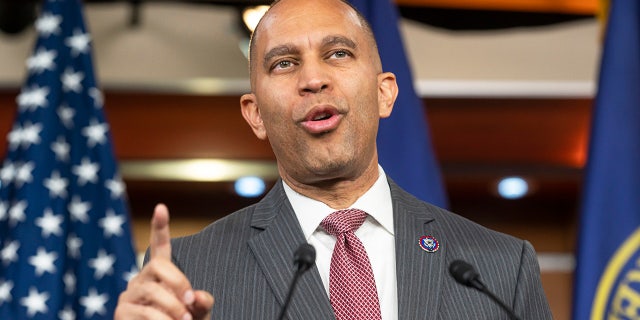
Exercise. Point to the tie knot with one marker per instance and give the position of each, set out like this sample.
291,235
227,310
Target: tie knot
343,221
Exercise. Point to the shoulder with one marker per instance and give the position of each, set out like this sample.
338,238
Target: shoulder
462,238
455,227
230,228
242,222
205,257
471,235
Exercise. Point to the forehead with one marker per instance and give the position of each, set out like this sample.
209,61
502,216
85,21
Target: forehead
290,21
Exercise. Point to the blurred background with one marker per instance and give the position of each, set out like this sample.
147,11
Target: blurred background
507,86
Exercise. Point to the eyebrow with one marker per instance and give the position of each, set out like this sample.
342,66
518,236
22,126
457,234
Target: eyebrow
330,41
281,50
290,49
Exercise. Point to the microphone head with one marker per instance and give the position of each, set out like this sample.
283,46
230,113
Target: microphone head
464,273
304,257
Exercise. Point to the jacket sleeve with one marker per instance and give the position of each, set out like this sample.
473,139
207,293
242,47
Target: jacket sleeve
530,299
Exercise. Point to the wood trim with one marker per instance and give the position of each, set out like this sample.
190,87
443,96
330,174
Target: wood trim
556,6
465,131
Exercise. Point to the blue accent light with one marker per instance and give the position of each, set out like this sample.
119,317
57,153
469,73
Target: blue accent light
513,188
249,187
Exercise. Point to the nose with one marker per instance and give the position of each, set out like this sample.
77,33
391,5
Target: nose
314,78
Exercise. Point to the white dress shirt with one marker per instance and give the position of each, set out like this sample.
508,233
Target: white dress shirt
376,234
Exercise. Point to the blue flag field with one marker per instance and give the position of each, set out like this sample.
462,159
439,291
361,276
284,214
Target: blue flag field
607,279
65,243
404,143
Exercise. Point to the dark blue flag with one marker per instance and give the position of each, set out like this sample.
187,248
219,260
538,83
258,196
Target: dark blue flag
65,240
607,280
404,143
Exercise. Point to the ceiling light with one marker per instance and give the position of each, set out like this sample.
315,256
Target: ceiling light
513,187
252,15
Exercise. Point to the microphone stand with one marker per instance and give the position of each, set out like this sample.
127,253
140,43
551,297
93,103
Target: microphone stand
296,277
465,274
304,258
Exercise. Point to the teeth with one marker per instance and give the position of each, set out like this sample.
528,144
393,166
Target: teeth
321,116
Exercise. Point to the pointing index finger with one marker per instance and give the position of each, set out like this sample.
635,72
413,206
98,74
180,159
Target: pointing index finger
160,240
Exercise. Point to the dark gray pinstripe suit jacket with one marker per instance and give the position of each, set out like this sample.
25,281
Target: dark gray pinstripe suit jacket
245,261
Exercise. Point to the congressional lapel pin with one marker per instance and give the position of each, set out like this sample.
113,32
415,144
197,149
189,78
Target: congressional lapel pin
429,244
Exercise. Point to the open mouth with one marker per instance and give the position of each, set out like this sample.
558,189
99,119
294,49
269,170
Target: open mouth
322,120
322,116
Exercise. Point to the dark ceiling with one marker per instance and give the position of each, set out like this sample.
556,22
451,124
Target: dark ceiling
17,15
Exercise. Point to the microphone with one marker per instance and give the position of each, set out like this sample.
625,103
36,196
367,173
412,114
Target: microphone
465,274
303,258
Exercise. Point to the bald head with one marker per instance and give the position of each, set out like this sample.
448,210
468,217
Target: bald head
341,6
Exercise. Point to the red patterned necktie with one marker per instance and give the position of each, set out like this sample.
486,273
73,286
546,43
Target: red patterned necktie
352,288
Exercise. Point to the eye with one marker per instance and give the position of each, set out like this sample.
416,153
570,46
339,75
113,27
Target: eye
341,54
282,64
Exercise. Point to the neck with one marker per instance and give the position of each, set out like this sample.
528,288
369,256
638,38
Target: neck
337,193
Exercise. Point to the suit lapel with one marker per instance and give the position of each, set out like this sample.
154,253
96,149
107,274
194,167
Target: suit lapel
419,273
273,249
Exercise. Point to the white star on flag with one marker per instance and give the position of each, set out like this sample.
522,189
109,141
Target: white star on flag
116,186
42,60
79,42
57,185
79,209
31,134
98,99
69,280
43,261
72,81
16,213
36,302
5,291
67,314
50,223
73,245
96,133
4,209
94,303
9,253
87,171
27,135
15,137
131,274
7,172
66,115
48,24
23,174
61,148
112,224
103,264
32,98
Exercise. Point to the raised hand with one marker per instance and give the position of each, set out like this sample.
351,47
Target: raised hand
161,290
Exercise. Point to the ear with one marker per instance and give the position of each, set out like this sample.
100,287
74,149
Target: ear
387,93
251,114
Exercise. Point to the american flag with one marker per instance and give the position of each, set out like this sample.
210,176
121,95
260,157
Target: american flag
65,240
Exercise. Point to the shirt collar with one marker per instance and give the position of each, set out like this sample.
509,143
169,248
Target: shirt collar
376,202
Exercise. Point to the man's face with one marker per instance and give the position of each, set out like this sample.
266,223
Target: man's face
318,91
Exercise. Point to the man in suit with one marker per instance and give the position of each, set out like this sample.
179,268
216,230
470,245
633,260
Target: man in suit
318,92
